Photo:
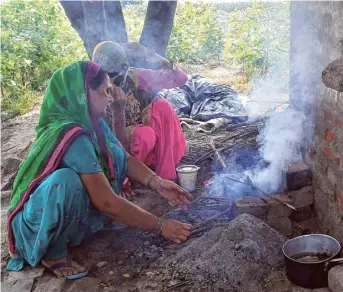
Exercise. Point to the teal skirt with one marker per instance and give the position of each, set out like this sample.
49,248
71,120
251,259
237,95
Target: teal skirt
59,213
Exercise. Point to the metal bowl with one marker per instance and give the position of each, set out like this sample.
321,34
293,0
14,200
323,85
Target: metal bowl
312,243
308,259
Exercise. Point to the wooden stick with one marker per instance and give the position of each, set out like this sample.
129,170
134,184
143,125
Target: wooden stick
178,285
269,196
221,160
196,226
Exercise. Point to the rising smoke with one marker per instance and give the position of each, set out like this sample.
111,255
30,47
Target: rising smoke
288,132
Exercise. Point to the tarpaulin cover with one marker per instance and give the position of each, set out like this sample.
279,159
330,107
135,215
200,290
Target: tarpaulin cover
202,99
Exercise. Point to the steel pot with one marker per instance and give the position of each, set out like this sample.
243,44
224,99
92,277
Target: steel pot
308,259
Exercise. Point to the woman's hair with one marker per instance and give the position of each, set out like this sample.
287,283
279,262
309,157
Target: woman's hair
96,81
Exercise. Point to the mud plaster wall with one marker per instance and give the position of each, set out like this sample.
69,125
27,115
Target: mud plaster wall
316,35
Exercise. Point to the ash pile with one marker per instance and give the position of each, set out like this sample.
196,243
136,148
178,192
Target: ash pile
237,256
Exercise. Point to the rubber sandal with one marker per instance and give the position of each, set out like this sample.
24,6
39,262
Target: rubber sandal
68,264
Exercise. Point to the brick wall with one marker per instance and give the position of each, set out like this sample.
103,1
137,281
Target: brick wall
319,25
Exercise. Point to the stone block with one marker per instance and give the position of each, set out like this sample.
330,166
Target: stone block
277,209
298,176
283,225
303,197
86,284
23,285
250,205
10,166
332,76
321,290
336,279
302,214
5,197
54,285
9,183
27,273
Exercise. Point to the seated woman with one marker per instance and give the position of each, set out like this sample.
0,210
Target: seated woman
68,183
146,125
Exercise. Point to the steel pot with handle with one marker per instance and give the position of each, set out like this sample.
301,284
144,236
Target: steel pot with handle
308,259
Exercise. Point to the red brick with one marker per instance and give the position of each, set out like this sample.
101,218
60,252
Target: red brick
330,154
329,136
331,117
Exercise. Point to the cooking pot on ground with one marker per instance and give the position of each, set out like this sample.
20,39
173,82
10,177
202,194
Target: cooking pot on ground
308,259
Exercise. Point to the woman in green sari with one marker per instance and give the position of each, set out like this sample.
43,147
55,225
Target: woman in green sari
74,170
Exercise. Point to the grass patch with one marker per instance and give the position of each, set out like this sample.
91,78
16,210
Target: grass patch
22,104
220,73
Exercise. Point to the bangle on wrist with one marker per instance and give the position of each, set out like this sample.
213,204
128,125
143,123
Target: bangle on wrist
148,180
159,226
159,179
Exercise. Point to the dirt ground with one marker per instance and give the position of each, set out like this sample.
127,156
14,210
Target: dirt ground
125,259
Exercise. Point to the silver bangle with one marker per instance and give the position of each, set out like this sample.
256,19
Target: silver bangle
159,226
149,179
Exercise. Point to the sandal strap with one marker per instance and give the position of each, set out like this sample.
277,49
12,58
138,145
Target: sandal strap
57,266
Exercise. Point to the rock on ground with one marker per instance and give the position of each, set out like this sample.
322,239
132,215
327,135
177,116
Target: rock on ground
336,279
54,285
236,257
86,284
24,285
27,273
332,76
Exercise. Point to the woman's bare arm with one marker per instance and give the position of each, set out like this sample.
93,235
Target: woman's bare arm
167,189
106,201
138,171
119,127
118,115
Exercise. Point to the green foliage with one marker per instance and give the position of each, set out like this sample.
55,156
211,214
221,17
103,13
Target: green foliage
36,40
258,38
134,14
196,35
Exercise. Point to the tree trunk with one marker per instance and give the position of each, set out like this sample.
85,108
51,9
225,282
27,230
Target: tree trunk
96,21
95,28
115,22
158,25
74,12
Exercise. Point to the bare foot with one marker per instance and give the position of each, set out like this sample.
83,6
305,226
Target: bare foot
68,267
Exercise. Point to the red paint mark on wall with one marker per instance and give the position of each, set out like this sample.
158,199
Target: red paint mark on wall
328,152
329,136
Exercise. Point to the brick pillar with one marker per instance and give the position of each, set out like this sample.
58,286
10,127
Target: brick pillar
316,40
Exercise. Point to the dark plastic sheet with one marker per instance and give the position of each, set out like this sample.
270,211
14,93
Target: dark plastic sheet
202,99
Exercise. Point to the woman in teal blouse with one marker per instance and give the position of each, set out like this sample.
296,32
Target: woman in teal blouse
74,170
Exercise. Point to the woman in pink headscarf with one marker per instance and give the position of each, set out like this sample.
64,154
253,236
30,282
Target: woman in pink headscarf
145,124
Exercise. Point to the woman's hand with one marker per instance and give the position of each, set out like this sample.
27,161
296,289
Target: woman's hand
171,192
176,231
119,99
